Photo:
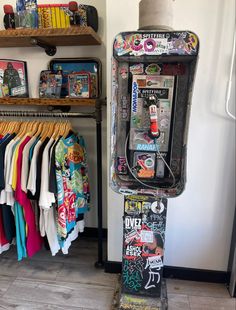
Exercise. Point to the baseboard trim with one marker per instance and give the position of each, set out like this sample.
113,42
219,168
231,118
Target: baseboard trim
92,232
180,273
112,267
192,274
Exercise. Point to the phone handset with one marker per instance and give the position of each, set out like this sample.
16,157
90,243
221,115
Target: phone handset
154,131
154,128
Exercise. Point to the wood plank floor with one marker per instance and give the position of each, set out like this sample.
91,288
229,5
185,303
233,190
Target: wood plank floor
60,282
198,296
72,282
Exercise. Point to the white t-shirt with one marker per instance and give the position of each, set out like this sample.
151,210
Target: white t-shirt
25,164
79,228
49,228
8,165
47,220
3,194
31,185
46,199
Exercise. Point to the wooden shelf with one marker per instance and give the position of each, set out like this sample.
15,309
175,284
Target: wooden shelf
55,37
73,36
48,102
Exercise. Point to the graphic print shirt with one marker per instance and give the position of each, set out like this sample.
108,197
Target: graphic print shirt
72,183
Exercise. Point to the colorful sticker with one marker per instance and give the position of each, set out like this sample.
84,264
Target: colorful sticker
123,72
147,236
133,207
153,69
133,223
135,42
146,206
121,46
133,251
144,165
157,207
121,165
138,44
124,108
137,69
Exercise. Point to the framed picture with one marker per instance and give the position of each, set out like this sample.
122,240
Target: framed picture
79,85
50,84
13,78
68,66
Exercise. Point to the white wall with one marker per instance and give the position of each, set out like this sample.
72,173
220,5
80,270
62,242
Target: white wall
121,16
199,223
37,60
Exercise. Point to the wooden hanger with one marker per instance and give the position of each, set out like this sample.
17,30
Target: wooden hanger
6,128
23,129
61,128
34,128
3,130
1,127
56,133
31,128
68,128
51,129
39,129
44,134
17,127
43,129
65,133
11,127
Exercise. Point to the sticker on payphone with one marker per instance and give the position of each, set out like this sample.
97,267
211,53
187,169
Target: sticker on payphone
121,166
144,165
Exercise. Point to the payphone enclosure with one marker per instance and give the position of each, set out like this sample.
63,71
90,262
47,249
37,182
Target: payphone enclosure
152,81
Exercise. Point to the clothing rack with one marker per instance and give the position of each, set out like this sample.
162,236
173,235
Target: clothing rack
97,115
47,114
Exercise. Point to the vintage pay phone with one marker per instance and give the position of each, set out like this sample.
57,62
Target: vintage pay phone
152,80
152,83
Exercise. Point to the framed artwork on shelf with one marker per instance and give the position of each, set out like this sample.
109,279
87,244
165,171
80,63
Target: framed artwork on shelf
50,84
79,85
81,77
13,78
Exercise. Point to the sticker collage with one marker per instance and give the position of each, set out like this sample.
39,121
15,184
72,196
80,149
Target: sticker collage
143,246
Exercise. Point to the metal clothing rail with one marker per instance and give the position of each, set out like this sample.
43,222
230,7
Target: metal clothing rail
47,114
98,117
